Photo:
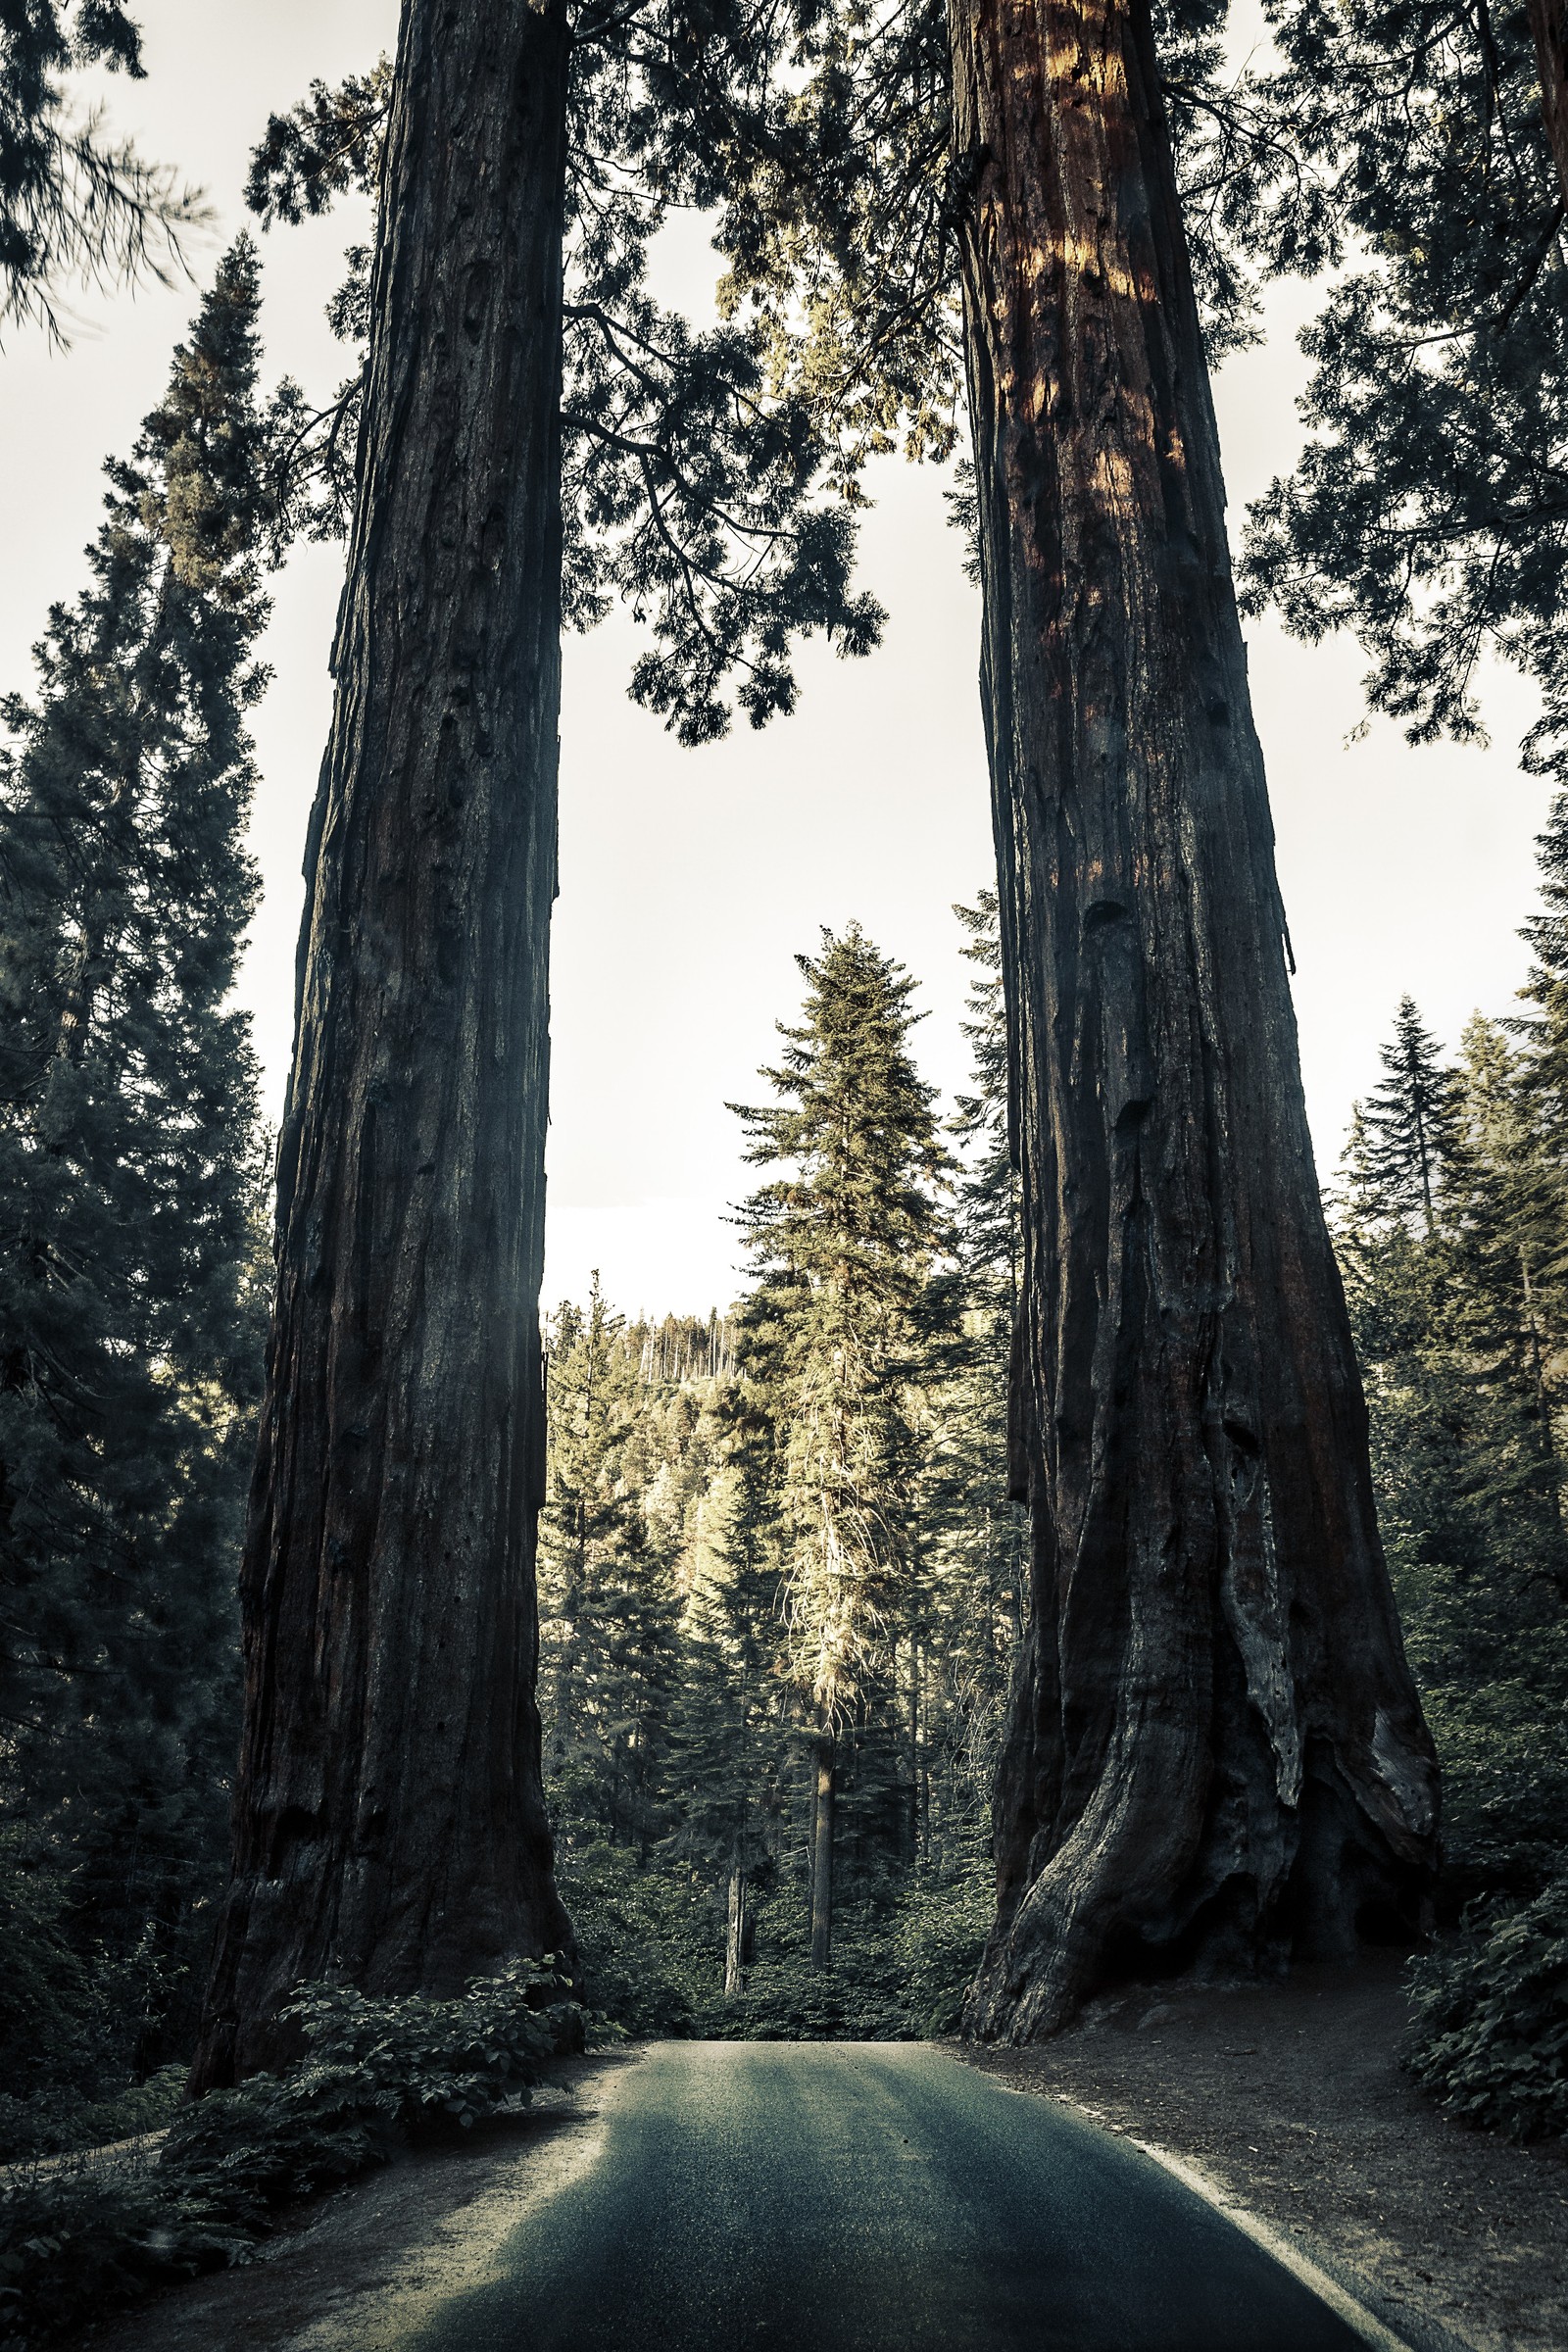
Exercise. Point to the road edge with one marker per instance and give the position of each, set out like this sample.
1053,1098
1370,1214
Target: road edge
1349,2296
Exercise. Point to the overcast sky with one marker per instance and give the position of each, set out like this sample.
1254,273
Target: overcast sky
689,879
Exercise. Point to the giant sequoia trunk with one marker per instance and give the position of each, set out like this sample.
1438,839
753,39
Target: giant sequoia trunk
389,1823
1215,1754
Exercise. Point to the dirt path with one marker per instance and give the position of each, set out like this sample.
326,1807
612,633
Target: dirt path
1293,2102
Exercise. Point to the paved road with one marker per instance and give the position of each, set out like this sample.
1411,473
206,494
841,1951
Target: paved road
865,2197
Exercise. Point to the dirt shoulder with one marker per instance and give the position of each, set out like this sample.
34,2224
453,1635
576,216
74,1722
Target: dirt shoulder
425,2227
1292,2101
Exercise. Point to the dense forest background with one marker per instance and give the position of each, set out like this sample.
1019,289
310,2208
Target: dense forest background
780,1570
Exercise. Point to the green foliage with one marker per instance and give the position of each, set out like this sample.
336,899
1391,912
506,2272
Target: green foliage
645,1939
1451,1228
130,1196
74,2243
71,203
898,1974
1424,512
692,478
845,1311
1490,2038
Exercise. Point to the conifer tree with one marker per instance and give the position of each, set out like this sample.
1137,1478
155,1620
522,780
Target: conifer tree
727,1764
1404,1132
1545,1072
970,1504
844,1241
1424,512
609,1612
128,1179
974,176
1460,1345
1504,1212
71,202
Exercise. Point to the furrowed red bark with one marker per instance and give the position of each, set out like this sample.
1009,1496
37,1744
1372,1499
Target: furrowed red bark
1215,1754
390,1821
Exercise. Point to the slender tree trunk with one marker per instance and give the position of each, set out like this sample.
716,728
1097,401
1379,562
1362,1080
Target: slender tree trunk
1215,1754
389,1820
822,1851
735,1935
1548,23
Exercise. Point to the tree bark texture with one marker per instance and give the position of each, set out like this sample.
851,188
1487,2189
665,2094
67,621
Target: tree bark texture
1215,1754
389,1820
822,1851
1548,23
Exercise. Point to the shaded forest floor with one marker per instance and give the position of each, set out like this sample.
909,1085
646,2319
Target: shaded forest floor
1291,2099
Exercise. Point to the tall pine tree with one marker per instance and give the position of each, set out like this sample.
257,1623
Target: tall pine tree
1403,1133
845,1241
607,1608
128,1177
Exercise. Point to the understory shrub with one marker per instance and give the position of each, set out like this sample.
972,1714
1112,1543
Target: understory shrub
76,2241
650,1953
900,1972
1490,2038
71,2022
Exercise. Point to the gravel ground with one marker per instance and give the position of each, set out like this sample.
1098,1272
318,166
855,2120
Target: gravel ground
1292,2101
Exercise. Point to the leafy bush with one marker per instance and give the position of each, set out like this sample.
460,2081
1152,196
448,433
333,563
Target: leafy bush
55,2122
72,2021
1504,1749
786,2000
937,1935
75,2242
900,1971
651,1946
1490,2038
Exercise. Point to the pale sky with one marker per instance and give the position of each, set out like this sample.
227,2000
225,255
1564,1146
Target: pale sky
689,879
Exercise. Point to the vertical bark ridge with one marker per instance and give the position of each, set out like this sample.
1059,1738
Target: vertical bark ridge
389,1818
1215,1754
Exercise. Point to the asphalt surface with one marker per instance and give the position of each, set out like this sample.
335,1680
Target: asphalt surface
863,2197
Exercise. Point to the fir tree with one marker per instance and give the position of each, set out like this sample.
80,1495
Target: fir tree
1508,1309
1403,1133
128,1179
1459,1360
608,1608
845,1242
727,1770
976,1529
71,203
1544,1071
987,1193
